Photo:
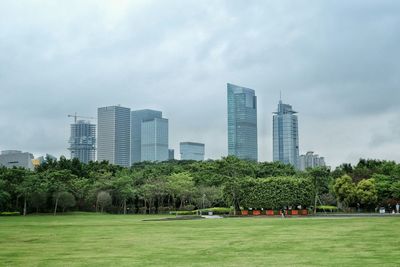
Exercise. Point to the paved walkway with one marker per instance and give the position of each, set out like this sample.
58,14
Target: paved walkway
356,215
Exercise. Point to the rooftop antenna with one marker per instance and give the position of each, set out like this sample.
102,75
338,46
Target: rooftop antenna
280,95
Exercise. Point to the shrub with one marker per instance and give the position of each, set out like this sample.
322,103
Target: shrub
327,208
276,192
10,213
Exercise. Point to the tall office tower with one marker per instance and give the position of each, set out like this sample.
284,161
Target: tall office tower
242,122
154,141
311,160
171,154
114,133
137,117
286,135
83,141
192,151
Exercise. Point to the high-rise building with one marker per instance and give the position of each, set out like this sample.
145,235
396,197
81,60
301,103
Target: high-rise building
154,140
311,160
16,158
191,151
171,154
83,141
114,134
285,135
137,117
242,122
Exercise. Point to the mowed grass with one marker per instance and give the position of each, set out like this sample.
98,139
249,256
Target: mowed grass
118,240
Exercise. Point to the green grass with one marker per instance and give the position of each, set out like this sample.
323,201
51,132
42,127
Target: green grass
117,240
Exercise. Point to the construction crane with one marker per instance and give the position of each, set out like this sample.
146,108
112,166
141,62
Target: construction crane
75,116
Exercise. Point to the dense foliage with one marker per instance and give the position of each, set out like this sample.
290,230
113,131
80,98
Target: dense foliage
188,185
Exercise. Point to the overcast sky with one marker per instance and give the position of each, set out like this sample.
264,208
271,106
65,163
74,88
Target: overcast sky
336,62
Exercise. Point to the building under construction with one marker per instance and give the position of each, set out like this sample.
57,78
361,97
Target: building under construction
83,141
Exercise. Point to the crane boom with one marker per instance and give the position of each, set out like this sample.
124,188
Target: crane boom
75,116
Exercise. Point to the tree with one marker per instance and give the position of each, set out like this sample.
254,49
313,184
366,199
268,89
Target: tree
320,177
58,182
29,185
104,200
38,199
366,193
66,200
181,185
207,196
4,195
345,190
123,188
395,190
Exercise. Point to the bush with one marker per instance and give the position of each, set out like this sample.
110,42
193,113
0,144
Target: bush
218,210
183,212
276,192
10,213
327,208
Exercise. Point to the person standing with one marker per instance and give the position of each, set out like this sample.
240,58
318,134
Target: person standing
397,207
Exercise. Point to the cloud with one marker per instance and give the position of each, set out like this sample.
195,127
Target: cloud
336,63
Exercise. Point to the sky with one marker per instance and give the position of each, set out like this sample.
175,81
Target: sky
336,62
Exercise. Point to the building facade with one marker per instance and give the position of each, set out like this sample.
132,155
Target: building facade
83,141
286,135
114,135
242,122
137,117
311,160
192,151
154,140
16,158
171,154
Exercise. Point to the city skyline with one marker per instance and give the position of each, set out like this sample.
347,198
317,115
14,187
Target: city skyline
337,63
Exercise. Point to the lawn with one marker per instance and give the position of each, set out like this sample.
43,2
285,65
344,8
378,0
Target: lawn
118,240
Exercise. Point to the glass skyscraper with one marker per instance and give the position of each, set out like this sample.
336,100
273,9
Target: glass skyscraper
242,122
154,140
114,135
286,135
83,141
191,151
137,117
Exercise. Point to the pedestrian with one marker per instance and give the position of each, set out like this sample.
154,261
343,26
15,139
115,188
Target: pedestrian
397,207
283,213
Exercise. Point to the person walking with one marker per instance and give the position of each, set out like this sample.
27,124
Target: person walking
397,207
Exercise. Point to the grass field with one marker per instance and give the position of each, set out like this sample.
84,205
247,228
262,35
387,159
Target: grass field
117,240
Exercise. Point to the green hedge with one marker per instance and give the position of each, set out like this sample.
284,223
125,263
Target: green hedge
327,208
216,211
276,192
10,213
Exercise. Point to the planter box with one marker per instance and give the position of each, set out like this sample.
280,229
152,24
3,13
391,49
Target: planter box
295,212
256,212
270,212
245,212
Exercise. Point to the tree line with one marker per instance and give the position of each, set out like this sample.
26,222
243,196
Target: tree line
146,187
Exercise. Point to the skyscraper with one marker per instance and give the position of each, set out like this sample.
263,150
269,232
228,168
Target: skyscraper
114,135
242,122
191,151
83,141
154,140
286,135
137,117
